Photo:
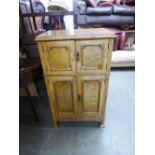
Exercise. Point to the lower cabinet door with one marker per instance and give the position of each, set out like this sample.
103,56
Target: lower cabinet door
63,93
90,95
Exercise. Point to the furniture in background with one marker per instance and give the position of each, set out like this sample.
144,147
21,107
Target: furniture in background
31,24
29,71
123,58
76,65
34,18
32,21
57,6
107,14
119,40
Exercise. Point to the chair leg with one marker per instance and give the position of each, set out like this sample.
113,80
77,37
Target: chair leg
32,106
37,89
34,111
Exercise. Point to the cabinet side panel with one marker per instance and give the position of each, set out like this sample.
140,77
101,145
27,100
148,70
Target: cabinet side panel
42,56
106,80
51,100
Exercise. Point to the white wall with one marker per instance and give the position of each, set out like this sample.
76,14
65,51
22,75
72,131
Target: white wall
69,19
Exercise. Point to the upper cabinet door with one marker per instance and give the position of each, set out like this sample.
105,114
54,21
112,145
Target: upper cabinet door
92,56
60,57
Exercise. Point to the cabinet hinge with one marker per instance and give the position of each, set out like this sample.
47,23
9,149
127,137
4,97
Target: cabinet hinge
106,67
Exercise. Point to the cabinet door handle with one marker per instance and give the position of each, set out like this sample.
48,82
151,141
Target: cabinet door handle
77,56
79,98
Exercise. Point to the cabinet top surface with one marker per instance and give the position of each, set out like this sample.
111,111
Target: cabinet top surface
93,33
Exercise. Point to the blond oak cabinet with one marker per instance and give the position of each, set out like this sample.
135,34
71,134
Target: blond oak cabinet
76,66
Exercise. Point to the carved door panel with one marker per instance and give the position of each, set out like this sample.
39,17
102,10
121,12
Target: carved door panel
60,57
90,95
92,56
63,94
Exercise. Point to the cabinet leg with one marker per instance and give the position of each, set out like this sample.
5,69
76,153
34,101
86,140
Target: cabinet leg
54,124
102,124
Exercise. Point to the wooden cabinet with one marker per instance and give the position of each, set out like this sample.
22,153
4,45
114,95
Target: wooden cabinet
76,65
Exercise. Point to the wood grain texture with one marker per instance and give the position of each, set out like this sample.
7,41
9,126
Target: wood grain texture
78,34
91,91
51,102
64,91
106,81
60,57
76,66
92,56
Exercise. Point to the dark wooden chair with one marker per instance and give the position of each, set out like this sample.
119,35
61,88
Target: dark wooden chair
29,70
